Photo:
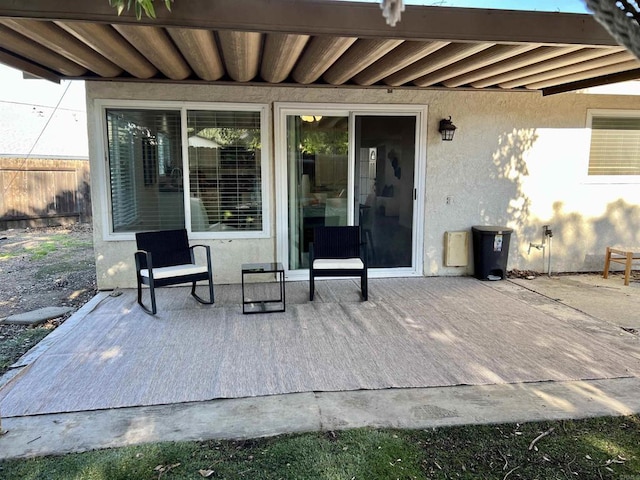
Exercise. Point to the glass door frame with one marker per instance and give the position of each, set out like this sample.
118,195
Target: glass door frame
284,109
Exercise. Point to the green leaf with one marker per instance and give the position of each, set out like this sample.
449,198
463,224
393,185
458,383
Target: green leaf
139,6
148,8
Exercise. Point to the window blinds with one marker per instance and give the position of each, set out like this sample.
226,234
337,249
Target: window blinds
615,146
144,196
224,169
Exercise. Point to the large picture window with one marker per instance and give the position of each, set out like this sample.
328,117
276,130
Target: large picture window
615,144
216,188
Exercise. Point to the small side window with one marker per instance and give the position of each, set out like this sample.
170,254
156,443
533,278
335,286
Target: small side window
615,145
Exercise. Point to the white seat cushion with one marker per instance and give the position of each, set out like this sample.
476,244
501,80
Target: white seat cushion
338,264
174,271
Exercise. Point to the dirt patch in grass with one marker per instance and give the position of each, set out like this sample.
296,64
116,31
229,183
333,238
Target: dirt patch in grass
42,267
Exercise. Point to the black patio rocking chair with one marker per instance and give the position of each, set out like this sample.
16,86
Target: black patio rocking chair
165,258
338,252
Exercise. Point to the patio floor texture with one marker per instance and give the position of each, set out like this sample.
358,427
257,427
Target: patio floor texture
412,333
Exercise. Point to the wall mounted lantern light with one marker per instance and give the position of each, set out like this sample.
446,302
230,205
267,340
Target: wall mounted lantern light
447,129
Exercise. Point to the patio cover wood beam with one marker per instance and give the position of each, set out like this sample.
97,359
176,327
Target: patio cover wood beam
593,82
55,38
281,52
158,48
597,72
362,54
241,52
586,66
444,56
320,54
27,48
200,49
401,57
474,62
28,67
519,61
337,18
579,56
110,44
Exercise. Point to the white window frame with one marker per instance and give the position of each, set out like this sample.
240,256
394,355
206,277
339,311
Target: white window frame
101,106
607,179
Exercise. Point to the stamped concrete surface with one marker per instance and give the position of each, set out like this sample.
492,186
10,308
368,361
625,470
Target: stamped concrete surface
585,298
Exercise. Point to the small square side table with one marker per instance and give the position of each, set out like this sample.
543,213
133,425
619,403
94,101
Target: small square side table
266,305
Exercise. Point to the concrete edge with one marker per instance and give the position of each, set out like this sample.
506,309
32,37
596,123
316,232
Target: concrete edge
255,417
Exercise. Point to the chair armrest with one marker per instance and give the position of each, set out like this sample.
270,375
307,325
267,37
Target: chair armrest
207,249
147,255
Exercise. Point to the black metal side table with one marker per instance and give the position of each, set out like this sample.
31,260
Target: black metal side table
267,305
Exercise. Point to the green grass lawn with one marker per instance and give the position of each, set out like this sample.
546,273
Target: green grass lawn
602,448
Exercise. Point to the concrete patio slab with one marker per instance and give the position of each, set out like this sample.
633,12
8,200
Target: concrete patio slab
608,299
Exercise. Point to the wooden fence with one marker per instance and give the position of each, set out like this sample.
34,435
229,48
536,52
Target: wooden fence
41,192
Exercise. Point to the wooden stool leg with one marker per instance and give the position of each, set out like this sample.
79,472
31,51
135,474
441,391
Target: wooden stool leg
607,261
627,268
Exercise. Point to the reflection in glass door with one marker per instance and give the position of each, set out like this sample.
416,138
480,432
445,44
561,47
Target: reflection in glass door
384,187
318,171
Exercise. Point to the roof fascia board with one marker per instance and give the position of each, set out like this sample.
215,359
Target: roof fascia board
325,17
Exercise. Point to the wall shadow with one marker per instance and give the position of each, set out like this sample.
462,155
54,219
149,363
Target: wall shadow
579,238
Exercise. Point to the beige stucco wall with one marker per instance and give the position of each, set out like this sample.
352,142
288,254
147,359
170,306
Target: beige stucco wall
517,160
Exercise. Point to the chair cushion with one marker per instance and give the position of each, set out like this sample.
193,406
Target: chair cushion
174,271
338,264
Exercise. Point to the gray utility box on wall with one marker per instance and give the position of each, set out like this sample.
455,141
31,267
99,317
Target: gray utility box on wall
490,251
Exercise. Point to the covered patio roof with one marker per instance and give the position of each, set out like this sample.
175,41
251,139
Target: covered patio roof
314,43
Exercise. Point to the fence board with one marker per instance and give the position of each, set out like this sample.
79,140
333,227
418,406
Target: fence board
39,191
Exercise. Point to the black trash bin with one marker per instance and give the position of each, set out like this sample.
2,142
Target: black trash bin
490,252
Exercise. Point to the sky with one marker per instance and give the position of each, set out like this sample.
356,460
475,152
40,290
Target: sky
567,6
30,123
39,92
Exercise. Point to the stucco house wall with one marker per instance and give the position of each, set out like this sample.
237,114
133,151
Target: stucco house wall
518,159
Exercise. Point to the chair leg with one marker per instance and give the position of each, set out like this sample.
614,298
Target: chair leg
311,287
200,299
152,291
152,294
364,286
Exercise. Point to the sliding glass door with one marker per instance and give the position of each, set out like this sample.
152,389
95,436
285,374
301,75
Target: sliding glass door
343,167
384,187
